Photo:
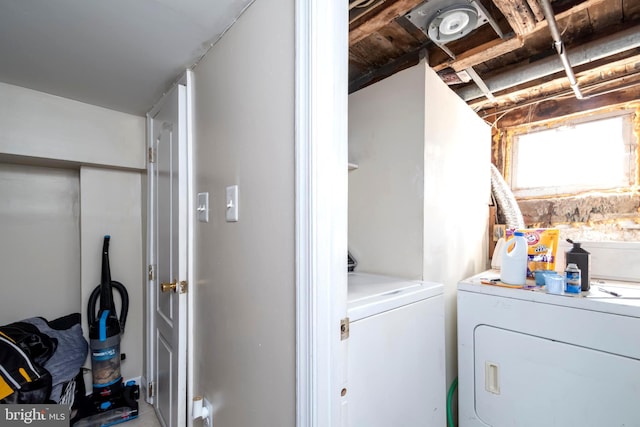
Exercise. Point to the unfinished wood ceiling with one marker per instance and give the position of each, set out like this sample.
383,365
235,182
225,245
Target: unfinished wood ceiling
507,66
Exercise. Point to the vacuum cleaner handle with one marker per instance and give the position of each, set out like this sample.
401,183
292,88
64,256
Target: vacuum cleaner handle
105,292
106,298
92,315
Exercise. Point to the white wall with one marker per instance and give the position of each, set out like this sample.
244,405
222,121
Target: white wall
111,203
244,313
45,126
418,203
40,234
457,194
106,150
386,141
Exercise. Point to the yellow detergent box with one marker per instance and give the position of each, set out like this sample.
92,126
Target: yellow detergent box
543,247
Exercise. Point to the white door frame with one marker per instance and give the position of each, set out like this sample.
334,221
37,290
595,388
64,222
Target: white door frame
321,31
149,359
187,80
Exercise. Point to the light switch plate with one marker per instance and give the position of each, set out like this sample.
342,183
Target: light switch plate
203,207
232,203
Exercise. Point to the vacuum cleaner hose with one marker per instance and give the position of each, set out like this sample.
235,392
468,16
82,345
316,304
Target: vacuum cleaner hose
124,299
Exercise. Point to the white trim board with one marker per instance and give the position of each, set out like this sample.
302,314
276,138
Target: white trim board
321,227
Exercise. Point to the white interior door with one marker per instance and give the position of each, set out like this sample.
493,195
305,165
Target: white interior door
168,254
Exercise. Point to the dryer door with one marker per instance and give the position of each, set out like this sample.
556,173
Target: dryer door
524,380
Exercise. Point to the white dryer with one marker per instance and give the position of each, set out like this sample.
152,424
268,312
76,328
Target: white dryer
531,359
395,363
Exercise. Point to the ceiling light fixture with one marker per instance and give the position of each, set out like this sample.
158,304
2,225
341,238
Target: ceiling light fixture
444,21
452,23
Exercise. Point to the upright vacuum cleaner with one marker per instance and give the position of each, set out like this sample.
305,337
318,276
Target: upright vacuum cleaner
112,401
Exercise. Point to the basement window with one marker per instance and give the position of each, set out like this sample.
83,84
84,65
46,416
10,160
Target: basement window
574,157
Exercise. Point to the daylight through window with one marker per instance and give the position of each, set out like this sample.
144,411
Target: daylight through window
593,155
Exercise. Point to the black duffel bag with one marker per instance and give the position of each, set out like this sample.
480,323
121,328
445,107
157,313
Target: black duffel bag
23,351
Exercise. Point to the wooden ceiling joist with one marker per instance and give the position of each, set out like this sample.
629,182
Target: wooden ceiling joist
380,19
554,108
615,82
536,10
481,53
518,14
605,71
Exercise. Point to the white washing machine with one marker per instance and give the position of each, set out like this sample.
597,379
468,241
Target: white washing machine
528,358
395,363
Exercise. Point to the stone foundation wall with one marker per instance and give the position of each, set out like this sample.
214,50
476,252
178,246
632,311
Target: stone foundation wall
589,217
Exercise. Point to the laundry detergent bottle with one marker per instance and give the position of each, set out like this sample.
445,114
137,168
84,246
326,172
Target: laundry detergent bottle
513,269
581,258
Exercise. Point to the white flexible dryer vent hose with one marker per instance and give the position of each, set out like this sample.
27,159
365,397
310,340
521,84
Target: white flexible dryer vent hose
507,204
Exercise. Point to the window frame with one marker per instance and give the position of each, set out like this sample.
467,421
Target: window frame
630,141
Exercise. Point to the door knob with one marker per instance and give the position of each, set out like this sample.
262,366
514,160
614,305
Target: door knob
175,286
169,287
